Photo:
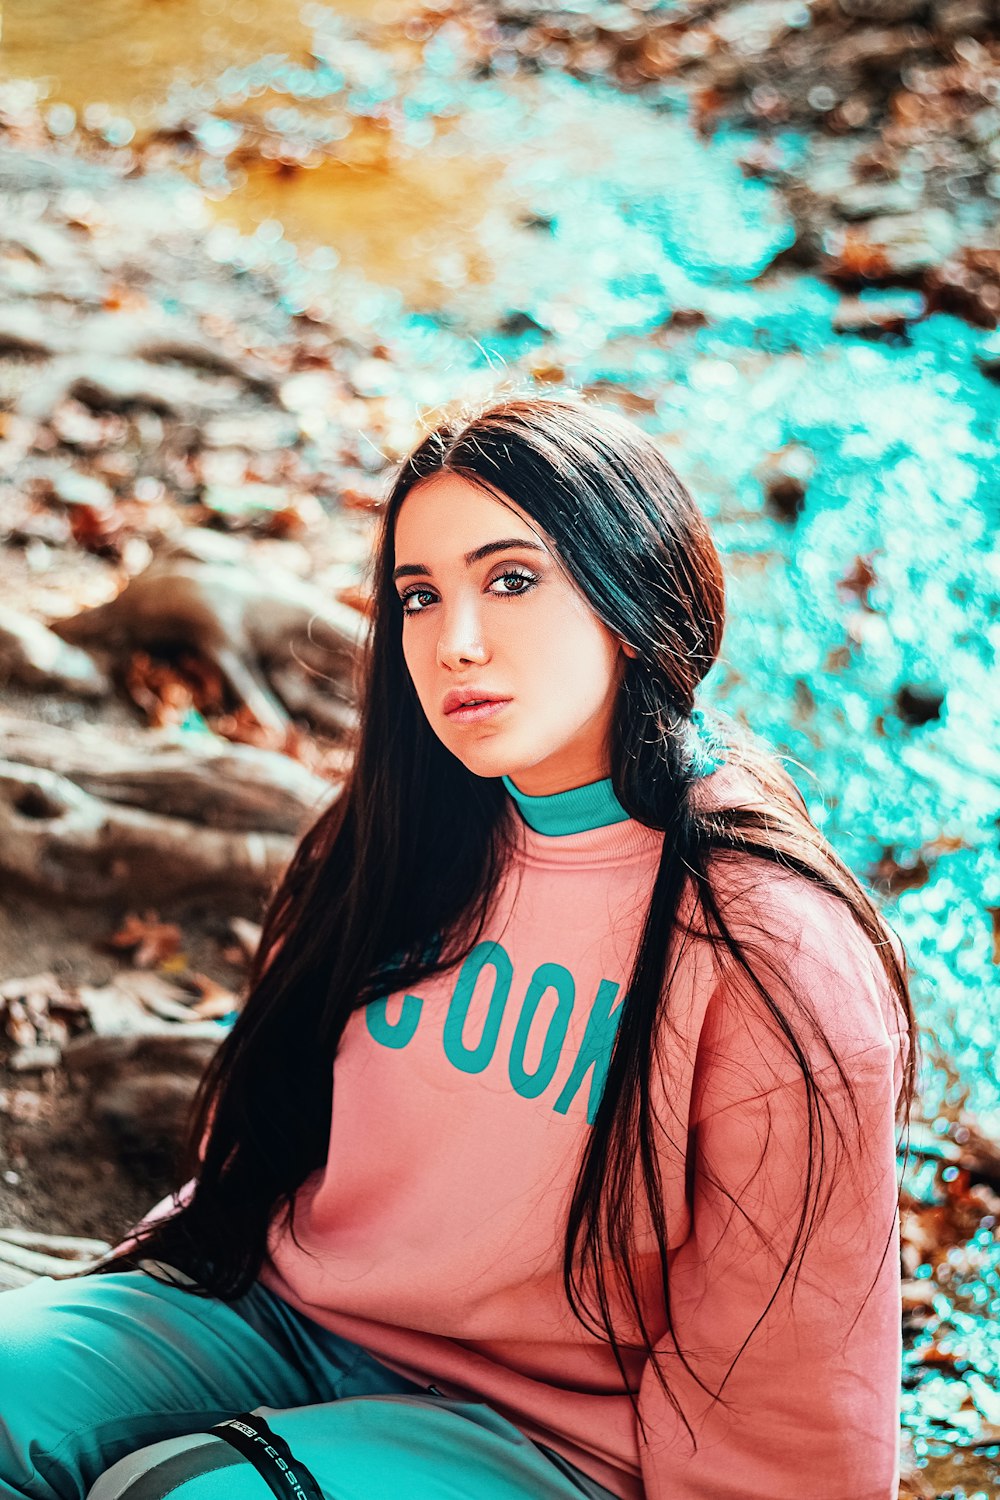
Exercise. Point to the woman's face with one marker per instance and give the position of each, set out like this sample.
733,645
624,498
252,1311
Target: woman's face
508,623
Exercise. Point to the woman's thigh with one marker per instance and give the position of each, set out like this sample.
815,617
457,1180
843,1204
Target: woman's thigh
92,1368
422,1447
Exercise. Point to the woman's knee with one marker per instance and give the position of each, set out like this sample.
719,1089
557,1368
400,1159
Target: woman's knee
89,1370
38,1349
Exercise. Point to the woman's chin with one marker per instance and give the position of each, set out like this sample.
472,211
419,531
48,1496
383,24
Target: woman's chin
487,758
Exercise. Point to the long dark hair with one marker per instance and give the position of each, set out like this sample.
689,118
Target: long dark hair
354,916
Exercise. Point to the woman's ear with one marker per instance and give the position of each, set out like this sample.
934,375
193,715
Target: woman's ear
628,650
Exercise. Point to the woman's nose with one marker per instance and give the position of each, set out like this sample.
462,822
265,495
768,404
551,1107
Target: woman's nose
461,637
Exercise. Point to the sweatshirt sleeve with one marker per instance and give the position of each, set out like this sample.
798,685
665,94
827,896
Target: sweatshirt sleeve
811,1405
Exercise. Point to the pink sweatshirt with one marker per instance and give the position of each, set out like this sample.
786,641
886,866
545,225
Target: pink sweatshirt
433,1235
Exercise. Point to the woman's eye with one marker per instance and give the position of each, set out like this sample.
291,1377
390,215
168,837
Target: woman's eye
528,579
404,599
525,579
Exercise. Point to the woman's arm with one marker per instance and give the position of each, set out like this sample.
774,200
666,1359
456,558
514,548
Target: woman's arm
812,1404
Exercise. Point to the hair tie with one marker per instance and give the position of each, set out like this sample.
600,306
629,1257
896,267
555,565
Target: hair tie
706,750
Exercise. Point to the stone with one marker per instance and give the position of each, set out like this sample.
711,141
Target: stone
960,17
874,318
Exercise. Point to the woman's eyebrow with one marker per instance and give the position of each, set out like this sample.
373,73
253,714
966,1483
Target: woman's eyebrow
476,555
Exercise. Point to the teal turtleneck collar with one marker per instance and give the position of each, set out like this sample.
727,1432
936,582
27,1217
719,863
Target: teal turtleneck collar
595,805
578,808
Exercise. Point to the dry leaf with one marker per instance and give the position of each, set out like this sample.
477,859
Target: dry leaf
153,941
216,1000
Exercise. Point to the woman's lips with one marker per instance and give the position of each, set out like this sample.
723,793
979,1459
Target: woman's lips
487,710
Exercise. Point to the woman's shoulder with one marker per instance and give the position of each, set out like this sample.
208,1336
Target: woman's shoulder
804,943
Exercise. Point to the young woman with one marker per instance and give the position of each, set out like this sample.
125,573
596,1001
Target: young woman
554,1151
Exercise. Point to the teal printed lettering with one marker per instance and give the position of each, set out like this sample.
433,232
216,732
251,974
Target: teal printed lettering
393,1033
474,1055
546,977
474,1059
595,1051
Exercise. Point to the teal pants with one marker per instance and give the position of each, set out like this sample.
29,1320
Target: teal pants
111,1386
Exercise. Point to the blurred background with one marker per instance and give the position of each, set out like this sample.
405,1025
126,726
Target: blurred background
246,250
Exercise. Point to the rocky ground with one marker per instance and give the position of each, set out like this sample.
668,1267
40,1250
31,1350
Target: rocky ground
164,511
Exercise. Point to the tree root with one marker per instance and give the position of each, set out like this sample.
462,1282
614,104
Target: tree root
200,779
240,618
34,655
